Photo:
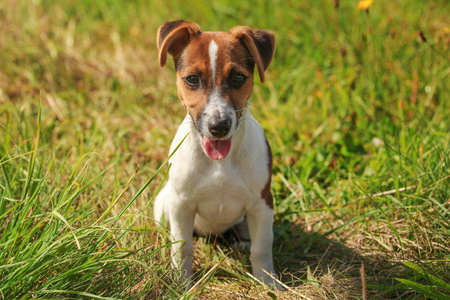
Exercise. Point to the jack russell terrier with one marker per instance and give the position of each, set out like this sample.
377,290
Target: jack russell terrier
220,175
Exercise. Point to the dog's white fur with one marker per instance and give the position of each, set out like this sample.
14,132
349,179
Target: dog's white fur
212,196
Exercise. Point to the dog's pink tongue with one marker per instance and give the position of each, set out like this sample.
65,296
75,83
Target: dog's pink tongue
217,149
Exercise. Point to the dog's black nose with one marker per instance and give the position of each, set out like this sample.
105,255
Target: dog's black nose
219,128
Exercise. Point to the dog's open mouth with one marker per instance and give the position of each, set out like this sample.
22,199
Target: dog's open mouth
216,149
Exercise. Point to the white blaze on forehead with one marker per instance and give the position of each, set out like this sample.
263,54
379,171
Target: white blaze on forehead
216,103
212,58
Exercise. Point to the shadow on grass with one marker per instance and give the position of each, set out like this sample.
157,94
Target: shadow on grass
313,266
333,269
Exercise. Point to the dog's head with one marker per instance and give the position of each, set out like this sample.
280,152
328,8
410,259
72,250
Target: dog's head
215,75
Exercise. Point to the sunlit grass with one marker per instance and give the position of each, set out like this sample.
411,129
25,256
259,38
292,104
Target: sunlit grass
355,106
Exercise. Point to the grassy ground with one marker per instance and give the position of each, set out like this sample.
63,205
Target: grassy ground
355,106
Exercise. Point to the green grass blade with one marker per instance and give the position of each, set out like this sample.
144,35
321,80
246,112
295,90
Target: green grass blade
431,279
425,290
33,155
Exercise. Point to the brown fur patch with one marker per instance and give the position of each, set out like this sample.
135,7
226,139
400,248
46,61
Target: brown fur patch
238,51
173,37
230,57
259,43
265,193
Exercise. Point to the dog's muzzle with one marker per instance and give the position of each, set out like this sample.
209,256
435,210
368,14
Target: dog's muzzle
219,127
216,126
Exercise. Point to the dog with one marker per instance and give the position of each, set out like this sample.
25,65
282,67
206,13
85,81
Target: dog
220,175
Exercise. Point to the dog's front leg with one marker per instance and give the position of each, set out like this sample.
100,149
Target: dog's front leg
260,221
181,229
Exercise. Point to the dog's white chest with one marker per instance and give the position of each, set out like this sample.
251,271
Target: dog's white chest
217,191
220,192
219,196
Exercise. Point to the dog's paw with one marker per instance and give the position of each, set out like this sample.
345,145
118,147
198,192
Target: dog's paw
242,245
278,287
272,283
185,278
268,278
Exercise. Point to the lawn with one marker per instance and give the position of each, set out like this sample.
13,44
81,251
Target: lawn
355,106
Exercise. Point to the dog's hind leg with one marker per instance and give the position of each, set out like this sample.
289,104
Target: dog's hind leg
243,233
242,230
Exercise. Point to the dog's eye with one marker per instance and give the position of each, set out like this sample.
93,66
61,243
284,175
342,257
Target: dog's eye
192,80
239,78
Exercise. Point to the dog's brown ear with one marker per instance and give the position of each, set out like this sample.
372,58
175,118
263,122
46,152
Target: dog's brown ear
173,37
260,44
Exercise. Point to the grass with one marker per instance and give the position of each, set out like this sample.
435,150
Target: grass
355,106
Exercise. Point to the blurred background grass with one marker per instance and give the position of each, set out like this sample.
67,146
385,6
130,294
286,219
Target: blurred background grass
355,106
